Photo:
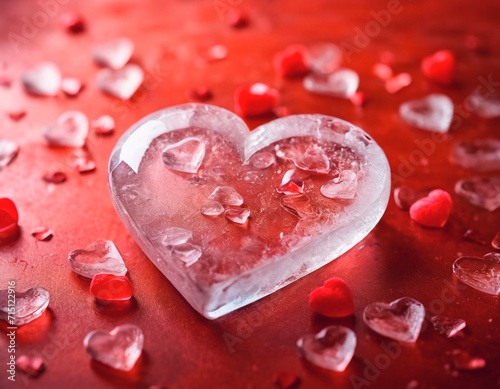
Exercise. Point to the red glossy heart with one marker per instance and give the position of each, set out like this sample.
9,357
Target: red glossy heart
8,219
292,62
432,211
110,287
255,99
333,299
440,67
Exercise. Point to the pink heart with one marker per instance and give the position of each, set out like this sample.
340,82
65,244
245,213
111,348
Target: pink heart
100,257
30,304
120,348
247,236
332,348
114,54
400,320
340,83
121,83
44,79
69,130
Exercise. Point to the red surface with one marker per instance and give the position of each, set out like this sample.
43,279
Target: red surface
245,348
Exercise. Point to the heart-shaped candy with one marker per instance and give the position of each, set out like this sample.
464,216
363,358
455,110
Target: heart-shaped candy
400,320
110,287
8,219
120,348
440,67
8,151
341,83
100,257
29,305
44,79
31,366
332,348
433,210
483,192
333,299
255,99
464,361
70,130
114,54
121,83
481,274
248,236
292,62
432,113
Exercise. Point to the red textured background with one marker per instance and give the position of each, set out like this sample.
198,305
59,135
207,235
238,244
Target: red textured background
244,348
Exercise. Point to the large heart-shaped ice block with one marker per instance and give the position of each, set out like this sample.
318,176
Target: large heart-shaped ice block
231,215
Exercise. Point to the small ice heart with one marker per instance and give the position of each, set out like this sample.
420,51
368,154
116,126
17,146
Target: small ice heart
8,151
184,156
482,274
483,192
114,54
120,348
99,257
298,205
187,252
341,187
175,235
432,113
44,79
478,154
69,130
30,305
332,348
226,195
314,160
400,320
447,326
341,83
324,58
121,83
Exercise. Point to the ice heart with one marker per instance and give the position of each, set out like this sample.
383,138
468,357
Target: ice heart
481,274
44,79
482,192
433,113
114,54
119,348
332,348
478,154
446,326
121,83
440,67
184,156
433,210
100,257
400,320
248,237
485,106
8,151
70,130
341,83
405,197
333,299
325,58
30,305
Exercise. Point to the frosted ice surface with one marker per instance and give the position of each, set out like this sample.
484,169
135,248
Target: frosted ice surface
432,113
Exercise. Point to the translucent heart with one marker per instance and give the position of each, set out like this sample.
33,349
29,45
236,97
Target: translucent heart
486,107
332,348
30,305
324,57
481,274
478,154
341,187
433,113
104,125
447,326
114,54
120,348
341,83
8,151
184,156
400,320
99,257
44,79
313,160
174,236
248,239
70,130
483,192
121,83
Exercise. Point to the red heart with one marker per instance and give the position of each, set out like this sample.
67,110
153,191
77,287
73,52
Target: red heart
440,67
255,99
110,287
292,62
8,219
433,210
333,299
